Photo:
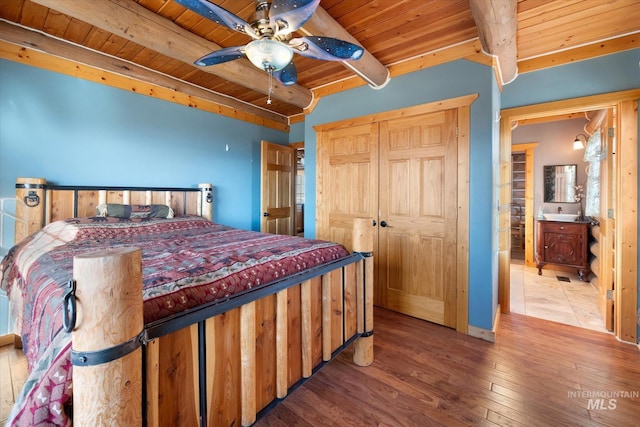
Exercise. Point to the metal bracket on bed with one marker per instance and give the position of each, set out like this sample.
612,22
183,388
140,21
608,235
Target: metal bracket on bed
98,357
69,307
31,199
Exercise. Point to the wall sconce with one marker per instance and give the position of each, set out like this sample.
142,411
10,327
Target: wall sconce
578,144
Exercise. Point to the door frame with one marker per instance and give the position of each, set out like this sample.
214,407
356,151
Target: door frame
463,104
298,146
269,188
626,246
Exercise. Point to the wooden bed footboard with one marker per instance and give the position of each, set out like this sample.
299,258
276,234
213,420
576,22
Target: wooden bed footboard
221,364
223,369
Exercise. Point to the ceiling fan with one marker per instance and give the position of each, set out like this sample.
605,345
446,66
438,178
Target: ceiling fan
271,27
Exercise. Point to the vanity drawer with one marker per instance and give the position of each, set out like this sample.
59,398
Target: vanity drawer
562,227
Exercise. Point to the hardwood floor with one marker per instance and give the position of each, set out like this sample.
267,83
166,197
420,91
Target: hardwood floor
538,373
13,374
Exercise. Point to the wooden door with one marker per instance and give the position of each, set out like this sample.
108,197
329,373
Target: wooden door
606,257
277,189
347,180
418,225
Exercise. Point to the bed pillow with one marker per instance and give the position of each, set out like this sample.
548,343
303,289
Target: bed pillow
134,211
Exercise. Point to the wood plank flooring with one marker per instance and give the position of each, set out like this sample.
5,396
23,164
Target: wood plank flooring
538,373
13,374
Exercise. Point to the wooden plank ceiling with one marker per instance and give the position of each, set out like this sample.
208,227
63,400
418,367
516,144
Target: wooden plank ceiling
154,42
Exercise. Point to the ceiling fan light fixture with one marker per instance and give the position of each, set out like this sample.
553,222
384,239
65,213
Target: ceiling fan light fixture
269,55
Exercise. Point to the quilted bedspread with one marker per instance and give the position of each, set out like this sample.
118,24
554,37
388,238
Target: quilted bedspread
186,261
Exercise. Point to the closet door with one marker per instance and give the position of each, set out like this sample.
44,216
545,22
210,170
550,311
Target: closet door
417,229
347,180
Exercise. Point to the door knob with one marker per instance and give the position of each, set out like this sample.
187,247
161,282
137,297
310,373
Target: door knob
383,223
266,214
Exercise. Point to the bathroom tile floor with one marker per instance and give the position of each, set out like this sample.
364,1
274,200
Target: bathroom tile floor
572,302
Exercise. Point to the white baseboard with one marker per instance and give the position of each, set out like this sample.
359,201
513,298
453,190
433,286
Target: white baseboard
485,334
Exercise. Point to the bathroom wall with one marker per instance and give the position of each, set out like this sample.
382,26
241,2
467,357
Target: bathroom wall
555,147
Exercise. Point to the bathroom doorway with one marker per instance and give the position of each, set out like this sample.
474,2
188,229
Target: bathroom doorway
557,294
622,143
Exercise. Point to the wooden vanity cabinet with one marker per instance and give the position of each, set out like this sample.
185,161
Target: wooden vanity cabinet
563,243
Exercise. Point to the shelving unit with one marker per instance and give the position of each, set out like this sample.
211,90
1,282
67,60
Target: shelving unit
518,180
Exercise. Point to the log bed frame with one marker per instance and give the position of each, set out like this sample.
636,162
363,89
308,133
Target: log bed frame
222,364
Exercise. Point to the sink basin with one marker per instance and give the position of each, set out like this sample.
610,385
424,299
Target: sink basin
560,217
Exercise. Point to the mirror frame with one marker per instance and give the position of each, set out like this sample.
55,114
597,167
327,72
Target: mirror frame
551,183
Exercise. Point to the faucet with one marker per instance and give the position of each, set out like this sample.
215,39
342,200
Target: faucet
559,209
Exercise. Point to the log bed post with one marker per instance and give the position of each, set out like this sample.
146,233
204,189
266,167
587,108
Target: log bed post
248,362
107,375
30,191
363,243
205,201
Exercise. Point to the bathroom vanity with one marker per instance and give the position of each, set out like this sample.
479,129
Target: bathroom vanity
563,243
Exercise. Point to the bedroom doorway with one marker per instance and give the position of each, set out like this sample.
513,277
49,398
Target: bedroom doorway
277,188
299,187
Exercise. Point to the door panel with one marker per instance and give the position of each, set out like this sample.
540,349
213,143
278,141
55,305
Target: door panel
606,257
277,189
418,204
347,180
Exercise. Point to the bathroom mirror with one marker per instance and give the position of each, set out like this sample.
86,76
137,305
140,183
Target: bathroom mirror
559,183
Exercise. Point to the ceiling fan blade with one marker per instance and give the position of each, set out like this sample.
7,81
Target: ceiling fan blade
288,75
220,56
219,15
326,48
291,14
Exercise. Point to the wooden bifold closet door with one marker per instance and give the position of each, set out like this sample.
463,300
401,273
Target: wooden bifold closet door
402,173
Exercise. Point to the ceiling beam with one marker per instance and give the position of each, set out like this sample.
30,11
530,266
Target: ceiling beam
497,23
105,69
367,67
134,22
581,53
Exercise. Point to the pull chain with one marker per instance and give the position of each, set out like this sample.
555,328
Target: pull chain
270,72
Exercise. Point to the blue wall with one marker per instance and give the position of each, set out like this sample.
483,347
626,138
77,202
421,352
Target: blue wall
72,131
296,132
609,73
434,84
